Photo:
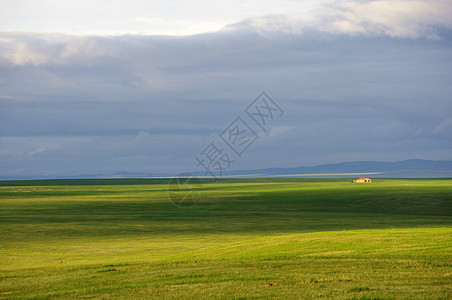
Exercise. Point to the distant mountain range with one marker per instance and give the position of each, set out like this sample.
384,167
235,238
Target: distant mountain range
412,168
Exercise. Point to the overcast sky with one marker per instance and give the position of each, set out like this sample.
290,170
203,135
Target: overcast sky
93,87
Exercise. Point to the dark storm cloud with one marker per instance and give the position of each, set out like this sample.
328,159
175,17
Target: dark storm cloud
77,105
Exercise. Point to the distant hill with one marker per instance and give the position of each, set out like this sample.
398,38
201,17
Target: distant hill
412,168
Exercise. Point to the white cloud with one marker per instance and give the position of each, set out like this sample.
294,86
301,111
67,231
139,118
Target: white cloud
396,18
444,129
37,150
37,49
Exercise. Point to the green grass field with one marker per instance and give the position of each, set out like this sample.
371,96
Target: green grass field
251,238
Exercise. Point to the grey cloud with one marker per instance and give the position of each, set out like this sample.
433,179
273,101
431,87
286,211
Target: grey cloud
72,105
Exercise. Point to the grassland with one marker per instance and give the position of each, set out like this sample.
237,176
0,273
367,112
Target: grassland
254,238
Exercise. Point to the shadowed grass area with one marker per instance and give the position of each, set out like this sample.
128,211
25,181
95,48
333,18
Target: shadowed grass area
106,238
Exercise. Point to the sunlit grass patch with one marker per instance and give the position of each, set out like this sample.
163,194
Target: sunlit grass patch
265,238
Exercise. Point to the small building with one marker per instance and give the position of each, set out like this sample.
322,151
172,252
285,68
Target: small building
359,180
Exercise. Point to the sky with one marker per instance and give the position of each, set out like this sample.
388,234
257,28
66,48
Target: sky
150,17
101,87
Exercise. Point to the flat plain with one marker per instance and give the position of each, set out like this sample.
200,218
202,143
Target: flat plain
245,239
